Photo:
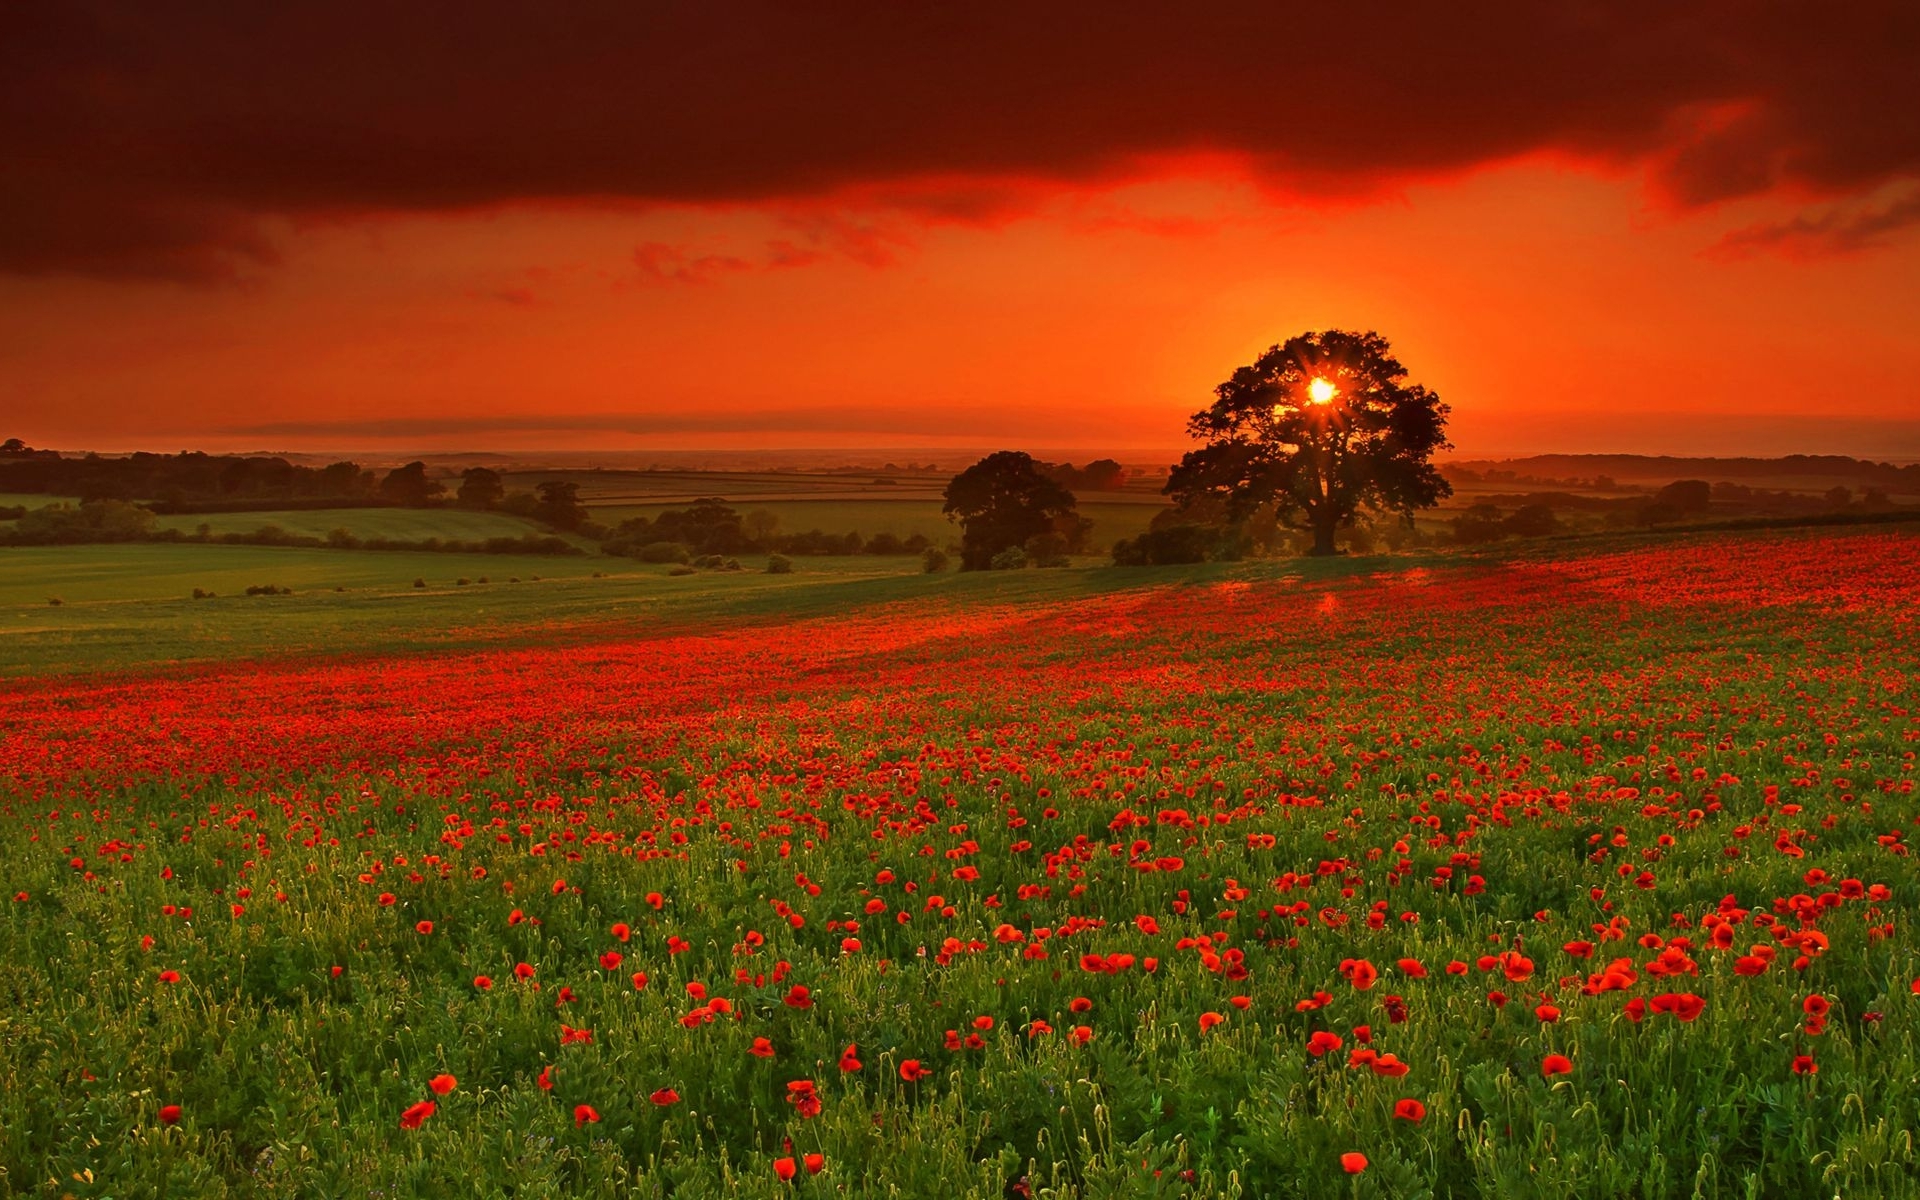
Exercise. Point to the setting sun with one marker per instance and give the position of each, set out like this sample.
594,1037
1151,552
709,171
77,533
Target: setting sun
1320,391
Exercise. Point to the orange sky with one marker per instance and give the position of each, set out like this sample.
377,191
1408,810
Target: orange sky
1560,293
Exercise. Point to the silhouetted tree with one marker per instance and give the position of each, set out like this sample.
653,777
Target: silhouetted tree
1685,496
560,504
409,486
481,488
1002,501
1321,427
1533,520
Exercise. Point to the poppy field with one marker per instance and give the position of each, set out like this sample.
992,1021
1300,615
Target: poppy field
1579,874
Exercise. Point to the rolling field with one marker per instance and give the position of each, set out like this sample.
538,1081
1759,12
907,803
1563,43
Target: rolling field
398,524
1576,872
1112,519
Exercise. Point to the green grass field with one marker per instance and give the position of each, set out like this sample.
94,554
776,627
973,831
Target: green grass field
1112,519
399,524
128,606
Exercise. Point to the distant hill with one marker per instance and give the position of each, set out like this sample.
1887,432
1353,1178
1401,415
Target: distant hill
1805,471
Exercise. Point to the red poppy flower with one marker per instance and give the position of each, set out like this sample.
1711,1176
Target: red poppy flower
799,996
1210,1019
912,1071
1816,1005
546,1078
1546,1012
169,1114
523,971
664,1097
1081,1034
849,1059
442,1084
584,1113
423,927
1556,1064
1323,1043
622,930
983,1023
1410,1110
1803,1064
815,1163
1412,968
1353,1162
761,1048
611,960
1080,1004
411,1118
784,1168
482,982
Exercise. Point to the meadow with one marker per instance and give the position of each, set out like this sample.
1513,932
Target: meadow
1574,869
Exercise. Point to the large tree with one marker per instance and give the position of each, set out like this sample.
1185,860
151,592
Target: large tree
1001,502
1321,427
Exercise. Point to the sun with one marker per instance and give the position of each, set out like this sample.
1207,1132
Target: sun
1321,391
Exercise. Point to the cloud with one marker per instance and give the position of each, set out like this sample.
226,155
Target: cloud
661,262
163,141
1834,232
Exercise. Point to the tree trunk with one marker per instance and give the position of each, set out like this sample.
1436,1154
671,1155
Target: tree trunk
1323,528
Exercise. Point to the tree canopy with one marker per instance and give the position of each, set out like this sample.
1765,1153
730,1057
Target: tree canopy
1002,502
1319,427
410,486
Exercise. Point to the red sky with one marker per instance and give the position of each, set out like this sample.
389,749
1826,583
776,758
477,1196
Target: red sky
1633,227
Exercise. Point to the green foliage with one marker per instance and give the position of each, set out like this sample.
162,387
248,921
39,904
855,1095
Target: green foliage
1002,502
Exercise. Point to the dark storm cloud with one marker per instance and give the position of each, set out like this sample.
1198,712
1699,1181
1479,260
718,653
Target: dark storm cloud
1833,232
144,139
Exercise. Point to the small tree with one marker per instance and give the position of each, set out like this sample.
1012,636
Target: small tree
409,486
1322,427
560,505
1002,501
480,488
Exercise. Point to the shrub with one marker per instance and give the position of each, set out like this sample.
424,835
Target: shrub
779,564
1047,550
462,581
268,589
663,552
1013,558
683,569
1172,544
55,601
419,583
934,560
202,594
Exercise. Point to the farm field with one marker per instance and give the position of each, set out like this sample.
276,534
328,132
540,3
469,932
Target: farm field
398,524
1577,871
128,605
1113,519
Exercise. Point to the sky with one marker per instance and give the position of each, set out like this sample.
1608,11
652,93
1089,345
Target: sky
1628,227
